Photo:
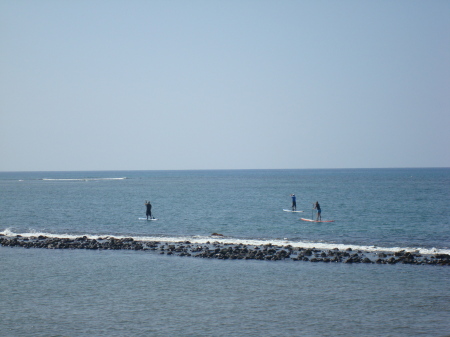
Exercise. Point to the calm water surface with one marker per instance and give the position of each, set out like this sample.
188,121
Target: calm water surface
127,293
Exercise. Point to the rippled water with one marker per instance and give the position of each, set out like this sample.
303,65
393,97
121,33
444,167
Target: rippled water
117,293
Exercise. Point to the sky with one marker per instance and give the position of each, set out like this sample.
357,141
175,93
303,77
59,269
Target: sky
248,84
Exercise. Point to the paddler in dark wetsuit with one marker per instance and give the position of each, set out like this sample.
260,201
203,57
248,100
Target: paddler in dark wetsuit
149,209
294,202
319,211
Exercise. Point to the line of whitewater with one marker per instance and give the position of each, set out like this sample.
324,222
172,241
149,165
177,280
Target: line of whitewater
196,239
76,179
81,179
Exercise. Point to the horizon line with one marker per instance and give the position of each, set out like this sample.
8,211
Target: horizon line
233,169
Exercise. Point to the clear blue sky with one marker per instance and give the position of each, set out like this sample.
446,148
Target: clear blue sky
149,85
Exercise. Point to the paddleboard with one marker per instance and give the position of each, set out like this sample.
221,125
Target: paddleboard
153,219
289,210
311,220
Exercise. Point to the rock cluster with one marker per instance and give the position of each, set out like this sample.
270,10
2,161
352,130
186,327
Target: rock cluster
216,250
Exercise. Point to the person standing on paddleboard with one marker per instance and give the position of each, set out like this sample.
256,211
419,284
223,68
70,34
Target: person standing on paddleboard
294,202
319,211
149,209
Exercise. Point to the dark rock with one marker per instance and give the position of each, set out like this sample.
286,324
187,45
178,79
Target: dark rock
392,260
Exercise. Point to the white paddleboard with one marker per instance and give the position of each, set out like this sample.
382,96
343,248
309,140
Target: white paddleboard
152,219
312,220
290,210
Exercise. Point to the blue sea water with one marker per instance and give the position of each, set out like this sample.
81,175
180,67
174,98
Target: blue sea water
127,293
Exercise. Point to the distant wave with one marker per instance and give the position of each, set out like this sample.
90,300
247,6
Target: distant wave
236,241
81,179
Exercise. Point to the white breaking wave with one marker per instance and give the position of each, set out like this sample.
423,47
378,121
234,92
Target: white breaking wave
82,179
235,241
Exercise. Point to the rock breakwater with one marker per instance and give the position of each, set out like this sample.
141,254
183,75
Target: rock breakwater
216,250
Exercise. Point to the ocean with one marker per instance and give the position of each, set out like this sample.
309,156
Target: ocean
103,292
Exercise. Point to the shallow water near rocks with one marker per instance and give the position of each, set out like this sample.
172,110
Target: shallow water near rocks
117,293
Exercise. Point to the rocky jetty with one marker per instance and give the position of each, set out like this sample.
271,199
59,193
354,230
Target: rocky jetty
216,250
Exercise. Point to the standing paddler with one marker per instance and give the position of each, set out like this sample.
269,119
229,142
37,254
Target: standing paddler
319,211
294,202
149,209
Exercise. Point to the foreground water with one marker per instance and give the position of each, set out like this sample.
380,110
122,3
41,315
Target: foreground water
117,293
